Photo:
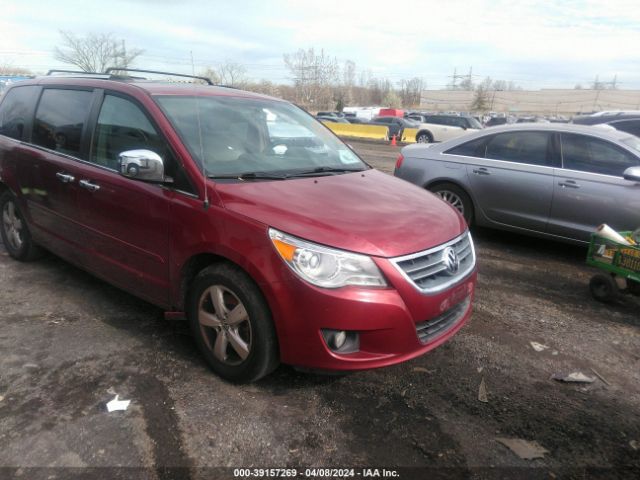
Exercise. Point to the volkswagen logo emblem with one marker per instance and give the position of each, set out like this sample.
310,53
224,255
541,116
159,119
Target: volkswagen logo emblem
451,261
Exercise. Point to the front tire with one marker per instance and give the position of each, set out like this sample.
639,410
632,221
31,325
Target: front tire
457,198
231,323
15,233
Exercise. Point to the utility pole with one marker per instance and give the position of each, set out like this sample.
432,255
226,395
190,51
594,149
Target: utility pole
454,77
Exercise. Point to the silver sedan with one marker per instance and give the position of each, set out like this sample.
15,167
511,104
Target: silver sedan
553,180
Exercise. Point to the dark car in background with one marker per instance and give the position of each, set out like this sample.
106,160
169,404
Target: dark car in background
555,180
624,121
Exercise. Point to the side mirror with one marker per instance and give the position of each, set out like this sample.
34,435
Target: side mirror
632,174
141,165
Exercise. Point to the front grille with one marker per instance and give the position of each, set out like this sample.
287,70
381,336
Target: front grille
431,329
429,271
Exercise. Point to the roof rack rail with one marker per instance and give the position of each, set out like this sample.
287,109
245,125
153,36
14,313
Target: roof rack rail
118,69
77,72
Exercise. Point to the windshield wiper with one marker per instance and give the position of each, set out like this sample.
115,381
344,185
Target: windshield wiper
251,176
325,170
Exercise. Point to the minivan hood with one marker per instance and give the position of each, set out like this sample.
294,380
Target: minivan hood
367,212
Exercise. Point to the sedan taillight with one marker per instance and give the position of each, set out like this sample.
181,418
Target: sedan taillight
399,161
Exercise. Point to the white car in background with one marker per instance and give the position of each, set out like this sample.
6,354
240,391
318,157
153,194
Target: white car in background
438,128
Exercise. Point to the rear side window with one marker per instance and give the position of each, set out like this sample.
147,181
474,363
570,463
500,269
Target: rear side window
60,120
588,154
520,147
16,109
474,148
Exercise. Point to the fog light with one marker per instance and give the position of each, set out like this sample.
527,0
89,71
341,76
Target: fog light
338,339
341,341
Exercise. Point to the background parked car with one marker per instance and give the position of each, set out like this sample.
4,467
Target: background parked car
555,180
625,121
438,128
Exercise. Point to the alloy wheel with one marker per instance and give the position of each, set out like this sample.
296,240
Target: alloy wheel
224,322
452,199
12,225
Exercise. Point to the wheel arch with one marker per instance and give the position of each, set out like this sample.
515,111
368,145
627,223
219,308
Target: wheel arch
198,262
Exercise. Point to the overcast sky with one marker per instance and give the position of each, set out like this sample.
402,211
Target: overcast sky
535,44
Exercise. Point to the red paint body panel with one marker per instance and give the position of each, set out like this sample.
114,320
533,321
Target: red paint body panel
368,212
140,237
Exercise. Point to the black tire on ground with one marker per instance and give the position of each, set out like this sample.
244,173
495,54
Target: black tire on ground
424,137
238,351
456,197
15,232
604,288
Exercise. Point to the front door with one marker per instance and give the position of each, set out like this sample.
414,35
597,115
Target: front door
513,184
126,221
589,190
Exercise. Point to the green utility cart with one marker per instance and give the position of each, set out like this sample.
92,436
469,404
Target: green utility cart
616,260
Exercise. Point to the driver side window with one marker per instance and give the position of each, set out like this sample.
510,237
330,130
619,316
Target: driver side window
123,126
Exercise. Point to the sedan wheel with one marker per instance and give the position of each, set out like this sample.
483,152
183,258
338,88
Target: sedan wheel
452,199
456,197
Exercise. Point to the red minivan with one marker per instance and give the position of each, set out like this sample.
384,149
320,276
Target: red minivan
240,212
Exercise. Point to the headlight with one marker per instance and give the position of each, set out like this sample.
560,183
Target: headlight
326,267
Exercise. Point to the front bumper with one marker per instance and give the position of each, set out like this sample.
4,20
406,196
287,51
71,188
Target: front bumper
388,320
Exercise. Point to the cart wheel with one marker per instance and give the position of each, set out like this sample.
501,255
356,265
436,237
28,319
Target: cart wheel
633,287
604,288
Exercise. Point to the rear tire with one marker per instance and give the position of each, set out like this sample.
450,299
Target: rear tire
604,288
15,232
456,197
231,323
424,137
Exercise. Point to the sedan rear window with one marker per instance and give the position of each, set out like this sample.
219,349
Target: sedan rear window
520,147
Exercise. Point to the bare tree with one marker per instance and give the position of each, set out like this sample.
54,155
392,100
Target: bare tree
232,74
314,74
8,69
211,74
410,91
94,52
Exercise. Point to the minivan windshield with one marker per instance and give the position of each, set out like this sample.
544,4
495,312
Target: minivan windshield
256,138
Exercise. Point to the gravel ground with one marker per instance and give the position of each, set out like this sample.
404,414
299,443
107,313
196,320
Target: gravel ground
68,342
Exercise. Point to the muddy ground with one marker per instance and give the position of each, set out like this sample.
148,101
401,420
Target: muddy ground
69,341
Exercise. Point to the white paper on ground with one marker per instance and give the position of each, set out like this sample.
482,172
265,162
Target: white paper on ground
116,404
